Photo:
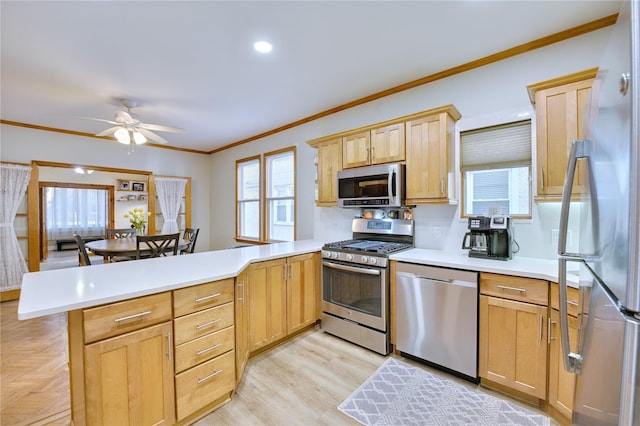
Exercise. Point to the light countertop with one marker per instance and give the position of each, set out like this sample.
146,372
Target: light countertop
50,292
528,267
61,290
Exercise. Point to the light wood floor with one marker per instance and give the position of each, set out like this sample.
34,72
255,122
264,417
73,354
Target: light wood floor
299,382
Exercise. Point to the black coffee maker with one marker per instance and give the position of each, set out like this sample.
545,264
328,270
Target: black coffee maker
489,237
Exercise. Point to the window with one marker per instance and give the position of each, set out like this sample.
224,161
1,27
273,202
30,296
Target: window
75,210
280,184
248,198
276,205
495,163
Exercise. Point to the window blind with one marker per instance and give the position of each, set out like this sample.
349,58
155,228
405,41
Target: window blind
502,146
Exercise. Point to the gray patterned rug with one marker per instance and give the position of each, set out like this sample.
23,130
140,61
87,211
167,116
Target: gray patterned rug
400,394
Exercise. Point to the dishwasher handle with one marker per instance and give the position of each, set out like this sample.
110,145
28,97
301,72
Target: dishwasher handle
437,280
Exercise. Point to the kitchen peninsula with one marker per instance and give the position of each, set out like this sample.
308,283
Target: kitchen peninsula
149,302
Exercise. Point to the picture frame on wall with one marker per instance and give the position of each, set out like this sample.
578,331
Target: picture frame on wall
137,186
123,185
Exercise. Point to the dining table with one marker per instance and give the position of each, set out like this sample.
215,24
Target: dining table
124,247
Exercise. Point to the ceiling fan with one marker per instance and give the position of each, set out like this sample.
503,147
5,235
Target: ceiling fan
129,130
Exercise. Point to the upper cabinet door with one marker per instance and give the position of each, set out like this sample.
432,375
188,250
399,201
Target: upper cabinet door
387,144
430,158
329,163
356,150
560,106
559,120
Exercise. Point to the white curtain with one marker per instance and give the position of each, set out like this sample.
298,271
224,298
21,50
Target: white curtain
170,194
13,184
75,210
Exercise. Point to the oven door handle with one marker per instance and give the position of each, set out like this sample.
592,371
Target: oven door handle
355,269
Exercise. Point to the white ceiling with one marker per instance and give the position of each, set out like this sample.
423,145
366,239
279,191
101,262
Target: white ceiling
192,65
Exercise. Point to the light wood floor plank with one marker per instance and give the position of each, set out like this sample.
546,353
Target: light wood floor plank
300,382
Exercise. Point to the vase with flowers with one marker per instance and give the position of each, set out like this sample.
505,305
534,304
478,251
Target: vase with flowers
137,218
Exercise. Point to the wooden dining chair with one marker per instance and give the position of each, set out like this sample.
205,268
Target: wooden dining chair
191,235
158,245
82,250
117,233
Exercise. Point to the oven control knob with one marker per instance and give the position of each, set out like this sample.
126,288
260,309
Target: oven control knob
365,259
336,255
349,257
326,253
373,261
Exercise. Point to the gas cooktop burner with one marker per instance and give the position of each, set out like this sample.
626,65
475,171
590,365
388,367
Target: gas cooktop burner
380,247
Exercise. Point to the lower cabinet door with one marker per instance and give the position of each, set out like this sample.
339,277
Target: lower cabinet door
513,345
201,385
129,378
562,384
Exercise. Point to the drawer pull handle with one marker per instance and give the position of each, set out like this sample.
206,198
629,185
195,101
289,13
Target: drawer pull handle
572,303
213,296
204,351
521,290
207,324
141,314
205,378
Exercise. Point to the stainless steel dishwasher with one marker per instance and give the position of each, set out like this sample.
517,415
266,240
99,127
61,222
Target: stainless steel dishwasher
437,316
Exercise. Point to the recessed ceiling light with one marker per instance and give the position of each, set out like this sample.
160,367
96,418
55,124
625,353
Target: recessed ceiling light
262,46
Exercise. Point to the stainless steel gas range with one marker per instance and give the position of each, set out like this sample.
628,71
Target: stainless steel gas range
355,281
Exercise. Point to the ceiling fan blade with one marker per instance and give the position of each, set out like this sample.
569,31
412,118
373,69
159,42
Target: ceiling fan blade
160,128
109,130
99,119
124,117
151,136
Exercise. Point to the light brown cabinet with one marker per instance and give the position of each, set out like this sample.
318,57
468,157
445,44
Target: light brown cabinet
329,164
356,150
284,298
204,345
242,323
561,105
388,144
430,157
513,333
380,145
118,352
562,384
267,303
303,291
129,379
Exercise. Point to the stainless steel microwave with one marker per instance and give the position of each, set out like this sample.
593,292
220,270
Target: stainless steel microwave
373,186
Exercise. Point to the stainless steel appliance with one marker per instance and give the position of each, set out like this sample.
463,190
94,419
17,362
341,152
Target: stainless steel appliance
437,317
606,355
355,281
375,186
489,237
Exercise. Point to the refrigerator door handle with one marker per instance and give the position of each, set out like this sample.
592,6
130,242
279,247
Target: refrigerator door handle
578,149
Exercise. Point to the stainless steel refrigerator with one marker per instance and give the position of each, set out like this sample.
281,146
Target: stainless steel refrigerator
605,357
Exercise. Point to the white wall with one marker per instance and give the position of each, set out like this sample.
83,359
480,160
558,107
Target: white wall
482,96
22,145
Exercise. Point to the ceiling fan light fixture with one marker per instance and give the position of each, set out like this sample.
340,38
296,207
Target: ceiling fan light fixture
122,135
139,138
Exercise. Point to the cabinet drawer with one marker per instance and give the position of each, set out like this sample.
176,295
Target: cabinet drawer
204,348
122,317
573,299
196,298
515,288
201,385
202,323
